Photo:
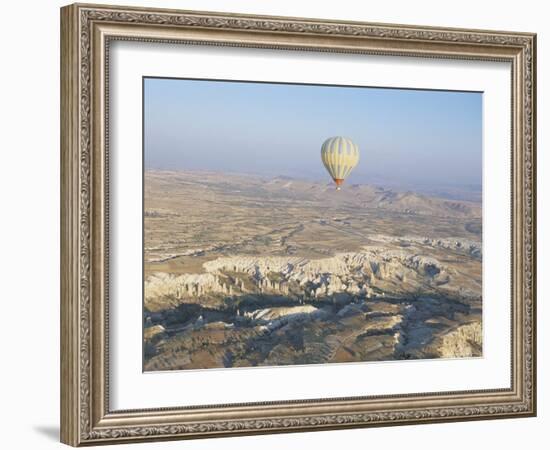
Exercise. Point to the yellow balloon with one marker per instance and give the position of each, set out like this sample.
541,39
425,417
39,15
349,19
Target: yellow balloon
339,155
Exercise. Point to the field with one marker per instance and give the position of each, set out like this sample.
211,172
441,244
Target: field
248,271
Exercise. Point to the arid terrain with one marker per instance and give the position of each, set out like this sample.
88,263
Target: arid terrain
247,271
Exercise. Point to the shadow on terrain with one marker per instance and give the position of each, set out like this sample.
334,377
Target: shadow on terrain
421,319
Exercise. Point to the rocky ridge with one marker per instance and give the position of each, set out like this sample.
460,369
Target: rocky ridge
357,273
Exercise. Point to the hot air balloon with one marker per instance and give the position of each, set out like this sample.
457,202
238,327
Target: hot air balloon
339,155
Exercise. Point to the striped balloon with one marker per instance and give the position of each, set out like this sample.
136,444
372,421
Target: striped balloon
340,155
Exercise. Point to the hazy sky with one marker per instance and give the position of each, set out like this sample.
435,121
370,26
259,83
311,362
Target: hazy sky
408,137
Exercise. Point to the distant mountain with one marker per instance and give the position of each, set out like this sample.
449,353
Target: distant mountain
293,189
374,197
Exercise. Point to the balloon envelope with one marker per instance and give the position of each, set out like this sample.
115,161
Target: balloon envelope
339,155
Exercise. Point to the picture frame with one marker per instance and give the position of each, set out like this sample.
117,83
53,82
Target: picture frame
87,33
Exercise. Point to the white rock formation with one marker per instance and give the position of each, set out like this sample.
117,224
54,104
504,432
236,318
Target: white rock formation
351,273
466,245
186,285
281,311
464,341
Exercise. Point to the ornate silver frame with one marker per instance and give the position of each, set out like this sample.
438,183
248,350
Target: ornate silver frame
86,31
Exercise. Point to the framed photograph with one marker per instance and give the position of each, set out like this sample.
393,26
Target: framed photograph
276,224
